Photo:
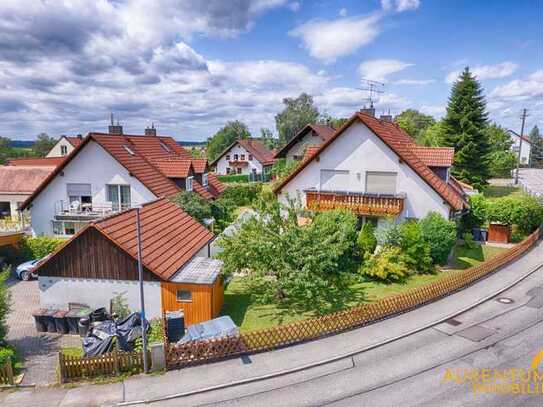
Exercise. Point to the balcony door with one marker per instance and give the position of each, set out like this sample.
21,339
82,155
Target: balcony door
79,196
334,180
119,196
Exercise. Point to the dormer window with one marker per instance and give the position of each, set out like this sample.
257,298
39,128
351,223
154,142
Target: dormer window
189,184
204,179
63,150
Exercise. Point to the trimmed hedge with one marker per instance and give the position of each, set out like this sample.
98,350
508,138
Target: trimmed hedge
233,178
242,194
38,247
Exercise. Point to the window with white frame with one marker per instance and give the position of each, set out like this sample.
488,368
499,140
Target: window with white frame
79,196
63,150
119,196
189,184
334,180
205,181
381,182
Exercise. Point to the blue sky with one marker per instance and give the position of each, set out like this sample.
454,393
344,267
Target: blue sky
189,66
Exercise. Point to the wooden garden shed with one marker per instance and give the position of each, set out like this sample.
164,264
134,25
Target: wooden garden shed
100,262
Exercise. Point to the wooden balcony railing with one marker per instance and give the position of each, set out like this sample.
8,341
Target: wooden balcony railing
361,204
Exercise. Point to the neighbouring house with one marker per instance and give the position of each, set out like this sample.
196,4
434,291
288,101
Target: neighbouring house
305,141
526,148
17,183
244,156
100,263
112,172
36,161
65,145
374,168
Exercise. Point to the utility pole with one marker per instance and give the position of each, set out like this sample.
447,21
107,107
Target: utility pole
523,117
142,301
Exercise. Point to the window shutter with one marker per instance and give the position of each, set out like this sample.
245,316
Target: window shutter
381,182
334,180
79,189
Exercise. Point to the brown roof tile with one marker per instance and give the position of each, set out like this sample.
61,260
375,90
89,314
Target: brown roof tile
199,165
74,140
435,156
37,161
21,179
174,167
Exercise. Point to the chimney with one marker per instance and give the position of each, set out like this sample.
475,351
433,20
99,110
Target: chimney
150,131
116,129
386,118
368,110
79,136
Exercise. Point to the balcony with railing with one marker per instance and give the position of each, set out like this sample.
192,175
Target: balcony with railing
360,203
78,211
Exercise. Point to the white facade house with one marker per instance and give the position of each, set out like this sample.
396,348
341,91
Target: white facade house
64,146
360,170
246,157
310,136
86,179
525,150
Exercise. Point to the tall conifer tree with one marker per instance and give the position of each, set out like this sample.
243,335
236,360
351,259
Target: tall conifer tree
464,126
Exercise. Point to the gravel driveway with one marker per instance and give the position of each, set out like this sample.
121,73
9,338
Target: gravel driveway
39,350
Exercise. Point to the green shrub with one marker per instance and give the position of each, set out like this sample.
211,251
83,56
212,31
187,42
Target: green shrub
240,194
282,167
524,211
440,234
478,213
469,242
192,203
388,234
5,354
38,247
5,301
389,264
415,248
233,178
119,305
366,240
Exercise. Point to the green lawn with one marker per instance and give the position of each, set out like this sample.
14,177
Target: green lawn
251,316
498,191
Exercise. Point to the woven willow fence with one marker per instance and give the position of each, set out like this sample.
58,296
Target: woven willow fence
178,355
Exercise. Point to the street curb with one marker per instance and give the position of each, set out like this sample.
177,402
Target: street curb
335,358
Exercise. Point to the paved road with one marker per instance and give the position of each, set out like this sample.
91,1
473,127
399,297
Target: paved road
40,351
531,180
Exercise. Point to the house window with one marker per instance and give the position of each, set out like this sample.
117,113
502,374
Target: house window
236,157
239,171
334,180
79,196
243,157
250,157
204,179
63,150
227,157
119,196
67,228
228,170
189,184
381,182
184,296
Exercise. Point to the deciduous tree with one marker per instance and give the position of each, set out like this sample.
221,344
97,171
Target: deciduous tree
232,131
297,113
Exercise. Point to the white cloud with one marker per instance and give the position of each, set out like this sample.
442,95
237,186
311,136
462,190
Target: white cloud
379,69
294,6
521,89
416,82
343,12
328,40
482,72
400,5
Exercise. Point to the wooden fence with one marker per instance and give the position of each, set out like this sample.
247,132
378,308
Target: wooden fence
114,363
6,373
301,331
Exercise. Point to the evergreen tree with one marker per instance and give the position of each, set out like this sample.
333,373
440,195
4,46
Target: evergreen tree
536,153
464,129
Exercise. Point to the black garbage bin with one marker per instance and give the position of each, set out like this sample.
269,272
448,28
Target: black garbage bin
83,326
39,319
50,320
61,323
175,325
73,316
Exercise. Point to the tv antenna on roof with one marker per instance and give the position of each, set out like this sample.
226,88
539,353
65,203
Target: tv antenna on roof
372,87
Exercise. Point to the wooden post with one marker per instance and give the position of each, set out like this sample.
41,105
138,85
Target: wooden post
60,368
116,362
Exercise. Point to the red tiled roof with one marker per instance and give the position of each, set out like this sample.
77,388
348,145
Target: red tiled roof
199,165
74,140
215,186
169,236
435,156
399,142
175,167
310,151
21,179
200,190
323,131
37,161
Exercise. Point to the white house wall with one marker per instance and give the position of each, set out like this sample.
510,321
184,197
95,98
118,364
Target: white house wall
222,164
358,150
58,292
92,165
526,150
298,149
56,150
